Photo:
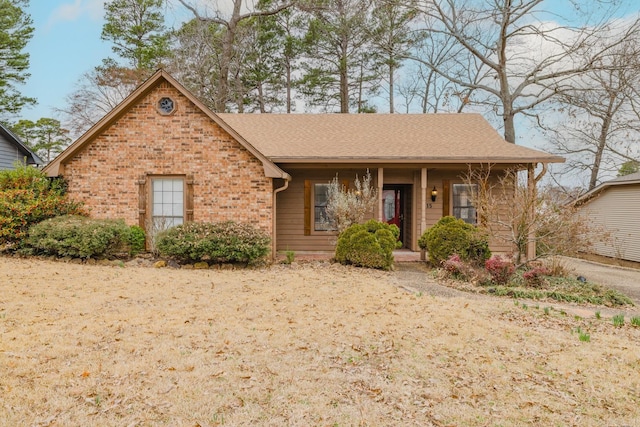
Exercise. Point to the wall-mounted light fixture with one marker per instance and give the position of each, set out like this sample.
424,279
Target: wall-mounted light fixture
434,194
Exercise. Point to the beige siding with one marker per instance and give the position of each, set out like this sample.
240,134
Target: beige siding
290,215
290,206
616,212
497,242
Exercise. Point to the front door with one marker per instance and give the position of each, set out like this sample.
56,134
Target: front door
393,207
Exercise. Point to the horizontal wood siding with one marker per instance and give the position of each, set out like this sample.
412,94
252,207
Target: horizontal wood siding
290,219
442,180
9,154
617,212
292,215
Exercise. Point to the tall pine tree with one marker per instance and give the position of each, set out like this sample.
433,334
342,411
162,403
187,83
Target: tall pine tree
15,32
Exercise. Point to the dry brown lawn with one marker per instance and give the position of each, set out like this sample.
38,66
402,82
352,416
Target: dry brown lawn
313,345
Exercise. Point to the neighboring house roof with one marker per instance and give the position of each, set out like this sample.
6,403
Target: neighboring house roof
633,178
394,138
32,157
54,168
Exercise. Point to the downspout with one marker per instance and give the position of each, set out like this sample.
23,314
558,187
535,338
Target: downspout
287,179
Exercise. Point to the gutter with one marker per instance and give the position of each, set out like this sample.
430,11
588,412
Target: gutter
287,179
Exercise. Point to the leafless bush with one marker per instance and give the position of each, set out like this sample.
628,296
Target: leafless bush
347,206
514,213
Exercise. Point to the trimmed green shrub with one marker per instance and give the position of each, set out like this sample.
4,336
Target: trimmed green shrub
451,236
78,236
27,197
368,245
224,242
136,239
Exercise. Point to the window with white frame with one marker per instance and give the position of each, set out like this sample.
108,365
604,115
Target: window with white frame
168,198
462,201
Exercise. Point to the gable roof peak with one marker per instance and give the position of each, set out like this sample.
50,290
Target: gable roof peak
57,165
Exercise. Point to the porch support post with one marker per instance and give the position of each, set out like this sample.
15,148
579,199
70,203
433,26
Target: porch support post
531,188
423,200
380,185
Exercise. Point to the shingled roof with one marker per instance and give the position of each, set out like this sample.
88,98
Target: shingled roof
406,138
30,156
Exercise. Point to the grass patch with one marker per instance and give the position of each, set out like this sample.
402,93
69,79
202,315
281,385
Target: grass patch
584,336
635,321
564,290
618,320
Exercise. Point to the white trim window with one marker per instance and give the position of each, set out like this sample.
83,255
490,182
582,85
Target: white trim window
168,201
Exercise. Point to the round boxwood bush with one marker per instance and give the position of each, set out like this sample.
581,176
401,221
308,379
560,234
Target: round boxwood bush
451,236
223,242
82,237
368,245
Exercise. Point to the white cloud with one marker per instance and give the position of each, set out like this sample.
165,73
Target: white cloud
78,9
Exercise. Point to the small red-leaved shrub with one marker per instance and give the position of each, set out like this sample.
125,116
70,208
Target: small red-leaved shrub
500,269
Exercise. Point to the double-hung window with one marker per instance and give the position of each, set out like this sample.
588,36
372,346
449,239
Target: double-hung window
463,208
168,200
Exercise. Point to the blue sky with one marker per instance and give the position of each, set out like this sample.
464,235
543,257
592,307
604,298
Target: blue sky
66,43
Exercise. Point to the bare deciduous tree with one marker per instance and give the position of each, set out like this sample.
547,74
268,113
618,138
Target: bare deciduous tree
526,59
518,215
97,93
602,128
136,29
230,30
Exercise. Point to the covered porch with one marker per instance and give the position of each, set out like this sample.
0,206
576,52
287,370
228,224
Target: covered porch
413,197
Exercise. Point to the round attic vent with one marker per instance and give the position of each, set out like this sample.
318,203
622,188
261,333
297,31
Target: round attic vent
166,105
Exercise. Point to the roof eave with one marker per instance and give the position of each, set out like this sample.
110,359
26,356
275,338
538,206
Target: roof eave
416,160
586,197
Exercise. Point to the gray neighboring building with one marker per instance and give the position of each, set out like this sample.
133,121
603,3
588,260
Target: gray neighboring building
614,206
12,150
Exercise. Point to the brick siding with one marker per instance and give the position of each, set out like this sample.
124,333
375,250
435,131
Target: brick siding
229,183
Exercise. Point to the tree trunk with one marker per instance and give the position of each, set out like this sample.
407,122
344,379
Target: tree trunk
391,70
261,97
505,91
344,83
509,126
602,143
288,68
227,55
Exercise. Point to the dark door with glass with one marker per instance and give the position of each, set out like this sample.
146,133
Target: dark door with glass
393,205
